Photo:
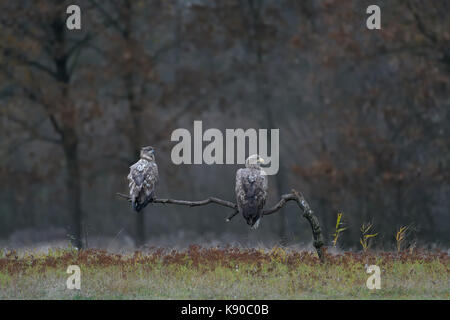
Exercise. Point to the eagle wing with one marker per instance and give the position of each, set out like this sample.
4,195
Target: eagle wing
251,193
142,179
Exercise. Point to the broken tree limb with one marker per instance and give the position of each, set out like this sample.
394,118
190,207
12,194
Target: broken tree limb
307,213
294,196
314,222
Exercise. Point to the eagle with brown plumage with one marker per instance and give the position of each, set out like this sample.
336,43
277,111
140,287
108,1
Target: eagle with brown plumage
251,190
143,178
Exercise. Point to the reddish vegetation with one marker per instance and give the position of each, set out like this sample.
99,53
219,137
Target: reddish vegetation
208,259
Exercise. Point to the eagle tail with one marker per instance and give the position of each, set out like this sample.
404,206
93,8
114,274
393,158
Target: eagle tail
138,206
251,212
256,224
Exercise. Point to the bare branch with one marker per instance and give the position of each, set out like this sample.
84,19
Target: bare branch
22,59
33,129
420,24
110,20
296,196
189,203
284,198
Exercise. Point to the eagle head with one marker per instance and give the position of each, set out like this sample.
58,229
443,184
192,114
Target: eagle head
148,153
254,161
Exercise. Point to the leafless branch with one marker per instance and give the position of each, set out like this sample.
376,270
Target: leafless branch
32,128
189,203
296,196
109,18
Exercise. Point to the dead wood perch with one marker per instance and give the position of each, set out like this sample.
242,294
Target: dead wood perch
294,196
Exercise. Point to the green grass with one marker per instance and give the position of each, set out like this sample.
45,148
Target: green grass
228,273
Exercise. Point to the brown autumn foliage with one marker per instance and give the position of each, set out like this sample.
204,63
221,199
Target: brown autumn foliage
207,259
363,115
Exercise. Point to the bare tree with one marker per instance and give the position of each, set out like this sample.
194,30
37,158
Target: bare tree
41,66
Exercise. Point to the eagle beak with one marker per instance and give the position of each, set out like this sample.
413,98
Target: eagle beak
261,160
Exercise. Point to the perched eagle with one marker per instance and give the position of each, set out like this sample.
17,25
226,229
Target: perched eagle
251,190
143,178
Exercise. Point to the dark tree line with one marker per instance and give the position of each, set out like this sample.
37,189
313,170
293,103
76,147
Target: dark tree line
363,115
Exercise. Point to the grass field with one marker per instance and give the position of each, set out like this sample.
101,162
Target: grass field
223,273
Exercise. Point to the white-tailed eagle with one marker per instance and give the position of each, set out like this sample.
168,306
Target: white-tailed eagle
142,179
251,190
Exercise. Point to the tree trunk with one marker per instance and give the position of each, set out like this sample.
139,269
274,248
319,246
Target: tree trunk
73,184
135,139
278,177
66,127
264,95
140,218
135,133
